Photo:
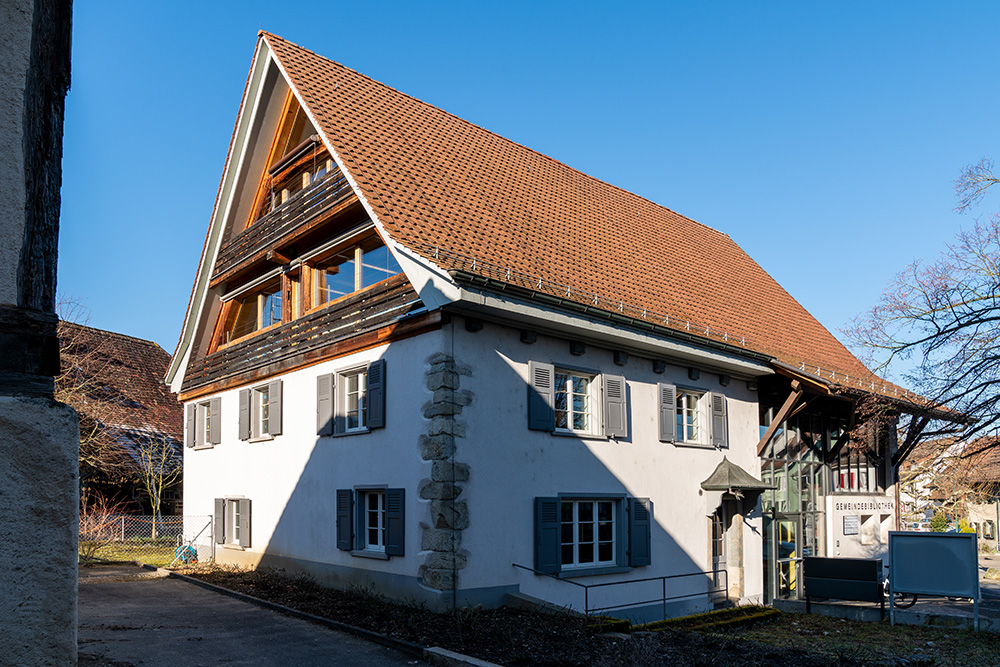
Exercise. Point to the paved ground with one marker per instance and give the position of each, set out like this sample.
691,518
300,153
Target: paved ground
989,588
131,617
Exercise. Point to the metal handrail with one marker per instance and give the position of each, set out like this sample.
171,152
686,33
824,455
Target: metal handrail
588,610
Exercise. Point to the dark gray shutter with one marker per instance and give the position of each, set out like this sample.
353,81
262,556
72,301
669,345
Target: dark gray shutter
720,435
667,397
345,517
375,395
215,428
244,521
219,525
547,544
615,414
192,426
541,396
244,414
395,526
640,519
274,407
324,404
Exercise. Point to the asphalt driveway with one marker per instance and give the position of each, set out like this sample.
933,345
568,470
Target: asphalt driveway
133,617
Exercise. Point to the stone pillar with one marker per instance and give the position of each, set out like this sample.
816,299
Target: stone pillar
442,537
39,441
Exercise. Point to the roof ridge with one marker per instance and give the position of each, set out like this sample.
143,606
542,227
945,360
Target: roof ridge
112,333
491,132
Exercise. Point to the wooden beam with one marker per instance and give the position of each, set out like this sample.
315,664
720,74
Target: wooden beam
277,257
793,398
802,406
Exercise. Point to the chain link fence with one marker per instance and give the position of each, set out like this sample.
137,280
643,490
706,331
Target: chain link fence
153,540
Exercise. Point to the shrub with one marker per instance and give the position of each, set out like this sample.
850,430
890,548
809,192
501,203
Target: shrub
939,522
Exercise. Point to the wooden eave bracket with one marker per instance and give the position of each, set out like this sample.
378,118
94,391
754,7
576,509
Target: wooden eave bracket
278,258
798,391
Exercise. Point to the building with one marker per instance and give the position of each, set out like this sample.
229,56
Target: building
131,426
423,358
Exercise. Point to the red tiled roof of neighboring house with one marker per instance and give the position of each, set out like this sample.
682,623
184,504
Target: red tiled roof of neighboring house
453,191
117,380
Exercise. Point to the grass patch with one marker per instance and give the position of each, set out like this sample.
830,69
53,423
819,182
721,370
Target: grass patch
722,618
152,552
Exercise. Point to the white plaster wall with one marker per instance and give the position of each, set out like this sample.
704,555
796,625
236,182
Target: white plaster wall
292,479
511,464
15,35
870,542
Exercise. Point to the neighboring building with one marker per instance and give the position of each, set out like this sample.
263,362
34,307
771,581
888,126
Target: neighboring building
131,426
423,358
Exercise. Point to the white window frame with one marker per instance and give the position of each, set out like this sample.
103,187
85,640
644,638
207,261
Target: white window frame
203,425
702,436
594,397
231,513
379,517
343,396
595,523
260,413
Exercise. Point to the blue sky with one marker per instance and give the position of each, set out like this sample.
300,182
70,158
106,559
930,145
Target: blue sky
823,138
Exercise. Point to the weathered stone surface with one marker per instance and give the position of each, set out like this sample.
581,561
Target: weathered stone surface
457,396
441,409
450,514
440,539
444,378
442,580
439,490
437,447
446,560
449,471
445,425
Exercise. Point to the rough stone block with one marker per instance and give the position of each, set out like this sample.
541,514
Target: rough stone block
449,471
457,396
446,560
437,447
439,490
442,580
441,409
443,378
440,539
445,425
450,514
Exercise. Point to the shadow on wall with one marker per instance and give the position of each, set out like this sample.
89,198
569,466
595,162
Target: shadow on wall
415,510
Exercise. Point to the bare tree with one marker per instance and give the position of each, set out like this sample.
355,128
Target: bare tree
158,464
943,316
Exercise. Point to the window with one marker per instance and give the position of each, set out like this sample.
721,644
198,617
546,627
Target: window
855,472
587,533
232,521
351,400
204,424
562,400
352,269
370,521
689,417
692,417
592,535
260,411
258,309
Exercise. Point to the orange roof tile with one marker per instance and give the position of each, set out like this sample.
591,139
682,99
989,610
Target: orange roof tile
437,181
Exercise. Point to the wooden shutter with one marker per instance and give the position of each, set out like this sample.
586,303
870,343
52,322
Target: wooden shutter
324,404
274,407
345,518
640,519
215,428
541,396
375,395
219,525
615,414
192,426
244,414
547,545
244,521
667,397
395,526
720,435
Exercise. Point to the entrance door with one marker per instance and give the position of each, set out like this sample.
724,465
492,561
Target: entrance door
718,521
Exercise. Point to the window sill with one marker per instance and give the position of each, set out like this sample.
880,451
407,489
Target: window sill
696,445
365,553
593,571
578,434
261,438
200,447
360,431
234,547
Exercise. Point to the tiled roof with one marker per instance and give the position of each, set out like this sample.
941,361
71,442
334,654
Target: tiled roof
437,181
117,380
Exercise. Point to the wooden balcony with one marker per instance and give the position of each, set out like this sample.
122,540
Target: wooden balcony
310,338
300,213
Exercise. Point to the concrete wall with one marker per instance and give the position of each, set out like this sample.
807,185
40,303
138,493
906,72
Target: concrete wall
456,439
871,516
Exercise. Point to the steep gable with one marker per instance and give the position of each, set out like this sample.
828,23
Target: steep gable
454,192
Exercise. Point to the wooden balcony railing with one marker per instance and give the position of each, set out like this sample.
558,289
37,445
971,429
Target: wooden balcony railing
273,229
369,309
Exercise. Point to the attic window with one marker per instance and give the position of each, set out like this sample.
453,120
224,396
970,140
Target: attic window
254,311
301,168
351,269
